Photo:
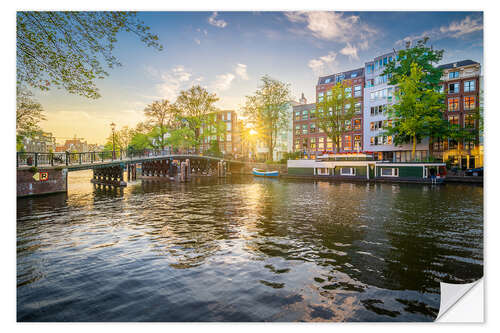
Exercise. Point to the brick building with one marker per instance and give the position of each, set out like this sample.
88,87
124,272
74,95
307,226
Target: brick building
230,142
461,83
309,138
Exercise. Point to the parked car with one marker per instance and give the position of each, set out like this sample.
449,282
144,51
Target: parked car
474,172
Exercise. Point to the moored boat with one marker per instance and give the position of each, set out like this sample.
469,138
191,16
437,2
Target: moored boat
263,173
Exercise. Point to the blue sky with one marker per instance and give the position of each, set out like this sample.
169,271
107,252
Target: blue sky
228,52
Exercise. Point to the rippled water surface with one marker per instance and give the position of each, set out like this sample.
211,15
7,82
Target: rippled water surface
245,249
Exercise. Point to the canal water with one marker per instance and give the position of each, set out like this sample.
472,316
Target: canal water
245,249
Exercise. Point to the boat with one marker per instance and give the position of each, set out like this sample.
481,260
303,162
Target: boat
263,173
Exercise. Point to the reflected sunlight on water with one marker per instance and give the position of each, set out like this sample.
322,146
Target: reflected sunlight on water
245,249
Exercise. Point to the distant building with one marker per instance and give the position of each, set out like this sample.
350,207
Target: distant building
76,145
462,85
230,142
40,143
310,137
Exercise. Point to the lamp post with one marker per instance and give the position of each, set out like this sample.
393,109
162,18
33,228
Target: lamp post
113,125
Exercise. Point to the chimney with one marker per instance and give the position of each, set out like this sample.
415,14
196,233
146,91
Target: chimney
303,99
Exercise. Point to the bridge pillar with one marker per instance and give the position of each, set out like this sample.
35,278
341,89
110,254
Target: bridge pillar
109,176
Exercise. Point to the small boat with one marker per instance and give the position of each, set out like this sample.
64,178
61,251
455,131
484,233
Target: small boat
263,173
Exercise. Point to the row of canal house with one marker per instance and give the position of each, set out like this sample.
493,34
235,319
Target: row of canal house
461,83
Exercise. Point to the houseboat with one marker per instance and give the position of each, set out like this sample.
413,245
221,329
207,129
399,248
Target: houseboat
362,167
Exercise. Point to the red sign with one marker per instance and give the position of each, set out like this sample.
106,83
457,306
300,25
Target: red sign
44,176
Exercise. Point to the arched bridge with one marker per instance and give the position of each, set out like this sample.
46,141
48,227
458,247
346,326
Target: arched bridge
35,169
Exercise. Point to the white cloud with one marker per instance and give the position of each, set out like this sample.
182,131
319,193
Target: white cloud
217,23
223,81
171,82
325,64
350,51
241,71
332,26
455,29
197,41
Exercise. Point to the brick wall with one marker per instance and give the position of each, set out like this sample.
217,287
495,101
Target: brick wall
27,185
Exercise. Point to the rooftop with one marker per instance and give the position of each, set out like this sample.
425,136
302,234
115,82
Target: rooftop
346,75
458,64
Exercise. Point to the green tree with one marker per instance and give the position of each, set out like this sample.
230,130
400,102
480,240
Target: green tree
194,107
267,110
162,115
335,112
122,139
140,141
29,113
182,138
422,55
67,49
418,111
425,57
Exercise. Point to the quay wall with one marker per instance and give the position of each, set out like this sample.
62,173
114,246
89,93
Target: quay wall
38,181
246,168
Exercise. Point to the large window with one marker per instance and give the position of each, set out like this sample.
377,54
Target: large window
304,129
357,124
348,143
369,69
389,172
453,104
470,86
304,115
357,91
297,130
228,137
357,107
469,103
312,114
228,126
228,116
348,91
320,97
469,121
347,125
347,171
453,75
313,128
357,142
453,88
454,120
297,115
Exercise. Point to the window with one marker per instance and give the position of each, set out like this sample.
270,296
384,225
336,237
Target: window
228,126
354,75
469,86
376,65
453,75
385,61
347,125
357,124
389,140
357,107
297,115
313,144
320,97
454,120
322,171
304,115
357,142
312,114
297,130
469,121
357,91
453,88
372,140
329,143
313,128
347,171
369,83
329,95
369,69
228,116
441,89
304,129
339,78
372,126
228,137
321,145
389,172
348,143
469,103
453,104
328,80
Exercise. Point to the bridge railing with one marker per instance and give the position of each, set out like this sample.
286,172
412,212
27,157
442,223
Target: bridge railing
66,158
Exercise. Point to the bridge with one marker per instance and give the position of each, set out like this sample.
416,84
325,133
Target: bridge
41,173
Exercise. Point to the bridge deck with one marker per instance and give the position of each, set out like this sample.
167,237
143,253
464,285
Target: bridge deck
76,166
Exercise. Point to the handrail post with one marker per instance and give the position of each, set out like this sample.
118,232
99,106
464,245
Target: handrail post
102,156
67,158
36,159
17,159
80,157
52,159
121,156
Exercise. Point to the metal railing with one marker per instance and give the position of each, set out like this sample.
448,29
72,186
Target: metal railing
66,158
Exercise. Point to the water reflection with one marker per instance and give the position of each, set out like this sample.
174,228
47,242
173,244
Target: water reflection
244,249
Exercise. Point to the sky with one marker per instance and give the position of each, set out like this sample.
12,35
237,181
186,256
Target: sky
228,53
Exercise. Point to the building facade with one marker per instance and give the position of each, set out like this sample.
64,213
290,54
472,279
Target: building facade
462,87
40,143
309,138
230,142
379,95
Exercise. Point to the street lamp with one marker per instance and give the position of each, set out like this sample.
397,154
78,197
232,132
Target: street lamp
113,125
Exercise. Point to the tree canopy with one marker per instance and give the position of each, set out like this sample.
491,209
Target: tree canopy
334,112
29,113
267,110
162,115
72,49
